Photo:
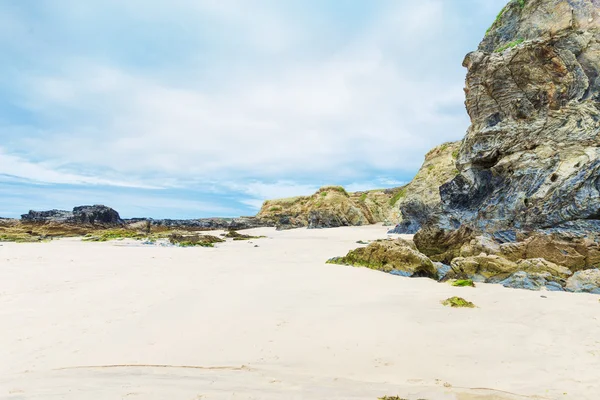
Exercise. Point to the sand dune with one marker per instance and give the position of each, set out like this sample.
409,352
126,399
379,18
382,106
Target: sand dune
122,320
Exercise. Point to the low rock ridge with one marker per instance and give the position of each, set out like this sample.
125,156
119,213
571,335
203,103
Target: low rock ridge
329,207
203,223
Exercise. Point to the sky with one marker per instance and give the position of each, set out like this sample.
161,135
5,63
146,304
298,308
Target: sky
197,108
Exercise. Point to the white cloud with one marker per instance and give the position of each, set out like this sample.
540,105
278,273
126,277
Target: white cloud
13,168
354,110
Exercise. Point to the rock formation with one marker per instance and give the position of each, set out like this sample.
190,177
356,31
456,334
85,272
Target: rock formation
416,201
329,207
529,166
97,214
398,257
522,207
201,223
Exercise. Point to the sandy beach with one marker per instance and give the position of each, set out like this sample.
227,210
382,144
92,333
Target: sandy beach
120,320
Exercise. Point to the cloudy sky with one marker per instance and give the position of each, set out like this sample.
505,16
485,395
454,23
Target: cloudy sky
192,108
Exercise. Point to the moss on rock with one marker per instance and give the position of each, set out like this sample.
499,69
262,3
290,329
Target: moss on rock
194,240
390,256
458,302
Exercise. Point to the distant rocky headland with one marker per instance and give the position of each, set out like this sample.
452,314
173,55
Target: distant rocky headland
97,220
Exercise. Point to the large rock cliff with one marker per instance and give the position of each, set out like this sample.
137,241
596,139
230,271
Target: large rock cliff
529,166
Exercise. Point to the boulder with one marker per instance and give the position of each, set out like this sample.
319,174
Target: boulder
587,281
539,265
398,256
532,281
481,268
497,269
97,214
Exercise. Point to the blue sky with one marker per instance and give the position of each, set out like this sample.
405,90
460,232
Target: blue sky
194,108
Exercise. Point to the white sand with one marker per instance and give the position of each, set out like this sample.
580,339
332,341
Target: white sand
115,321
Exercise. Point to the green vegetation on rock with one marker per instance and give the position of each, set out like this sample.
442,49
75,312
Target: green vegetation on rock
401,193
458,302
397,256
339,189
194,240
510,45
239,236
496,20
113,234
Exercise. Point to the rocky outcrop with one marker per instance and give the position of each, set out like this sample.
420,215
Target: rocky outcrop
47,216
202,223
398,257
329,207
587,281
97,214
529,166
416,201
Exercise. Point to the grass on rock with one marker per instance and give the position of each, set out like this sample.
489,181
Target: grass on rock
239,236
510,45
397,196
114,234
194,240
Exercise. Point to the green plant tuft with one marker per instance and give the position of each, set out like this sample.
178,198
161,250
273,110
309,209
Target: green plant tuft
458,302
463,283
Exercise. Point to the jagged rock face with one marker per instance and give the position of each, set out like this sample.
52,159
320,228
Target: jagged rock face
421,197
531,158
530,19
44,216
97,214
